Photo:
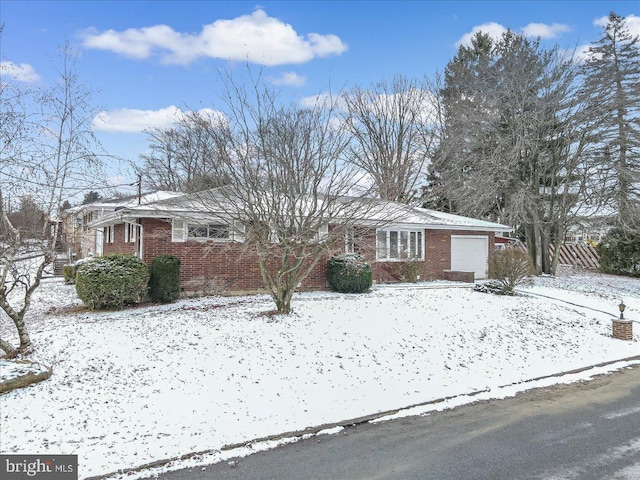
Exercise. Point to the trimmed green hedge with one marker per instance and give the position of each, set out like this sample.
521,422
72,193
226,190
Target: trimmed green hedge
350,273
164,285
112,281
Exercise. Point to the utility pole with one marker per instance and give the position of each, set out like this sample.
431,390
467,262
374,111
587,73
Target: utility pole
139,189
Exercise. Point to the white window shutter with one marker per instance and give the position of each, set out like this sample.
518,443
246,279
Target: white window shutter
238,231
323,232
178,230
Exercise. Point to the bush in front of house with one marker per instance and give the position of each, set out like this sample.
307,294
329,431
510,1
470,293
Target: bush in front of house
69,271
69,274
112,281
164,283
350,273
509,268
619,253
410,270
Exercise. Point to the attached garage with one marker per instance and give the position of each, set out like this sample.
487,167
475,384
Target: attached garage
470,253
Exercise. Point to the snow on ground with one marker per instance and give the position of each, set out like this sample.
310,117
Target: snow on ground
156,382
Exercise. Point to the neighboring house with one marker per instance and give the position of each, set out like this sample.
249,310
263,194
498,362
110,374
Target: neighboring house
502,242
213,252
589,230
590,223
82,241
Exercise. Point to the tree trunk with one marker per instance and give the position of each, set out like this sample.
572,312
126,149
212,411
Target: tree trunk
18,321
545,240
8,349
556,250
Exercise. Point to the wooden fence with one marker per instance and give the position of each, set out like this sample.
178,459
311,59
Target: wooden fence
578,255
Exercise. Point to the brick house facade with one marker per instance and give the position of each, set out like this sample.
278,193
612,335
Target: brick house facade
210,266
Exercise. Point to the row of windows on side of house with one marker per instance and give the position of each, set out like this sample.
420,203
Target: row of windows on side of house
391,244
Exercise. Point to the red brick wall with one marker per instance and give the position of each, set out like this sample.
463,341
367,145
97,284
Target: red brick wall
232,267
209,265
437,248
118,245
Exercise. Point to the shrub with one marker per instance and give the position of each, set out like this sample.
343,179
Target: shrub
164,285
410,270
510,267
620,253
350,273
69,271
112,281
69,274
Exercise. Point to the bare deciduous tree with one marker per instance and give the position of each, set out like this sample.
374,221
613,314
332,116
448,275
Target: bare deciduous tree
288,188
180,157
51,149
393,124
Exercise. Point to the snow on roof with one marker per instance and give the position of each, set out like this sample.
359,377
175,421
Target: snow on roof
126,202
380,211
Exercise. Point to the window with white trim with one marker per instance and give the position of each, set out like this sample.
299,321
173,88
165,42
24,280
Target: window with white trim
182,231
399,244
293,235
215,231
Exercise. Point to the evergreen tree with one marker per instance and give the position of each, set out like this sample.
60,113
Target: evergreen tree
612,90
513,149
91,197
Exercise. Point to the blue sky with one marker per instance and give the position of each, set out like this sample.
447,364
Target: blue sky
149,58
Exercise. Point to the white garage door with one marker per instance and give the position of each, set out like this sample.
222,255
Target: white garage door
470,253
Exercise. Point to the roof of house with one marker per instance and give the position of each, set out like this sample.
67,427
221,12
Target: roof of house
195,206
111,204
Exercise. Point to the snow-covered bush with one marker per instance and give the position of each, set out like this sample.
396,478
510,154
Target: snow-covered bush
350,273
164,283
69,271
620,254
112,281
510,268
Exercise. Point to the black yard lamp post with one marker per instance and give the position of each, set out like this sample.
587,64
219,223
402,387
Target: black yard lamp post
622,306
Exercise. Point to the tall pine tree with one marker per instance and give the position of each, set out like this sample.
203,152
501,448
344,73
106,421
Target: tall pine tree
512,148
612,90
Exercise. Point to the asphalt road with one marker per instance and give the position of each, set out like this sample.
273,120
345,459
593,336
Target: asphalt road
584,431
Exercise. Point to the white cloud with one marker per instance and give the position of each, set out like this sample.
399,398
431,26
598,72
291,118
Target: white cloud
543,30
291,79
255,38
21,73
493,29
323,100
582,52
135,121
633,23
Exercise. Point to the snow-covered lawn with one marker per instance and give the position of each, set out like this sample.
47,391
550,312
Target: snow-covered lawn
156,382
